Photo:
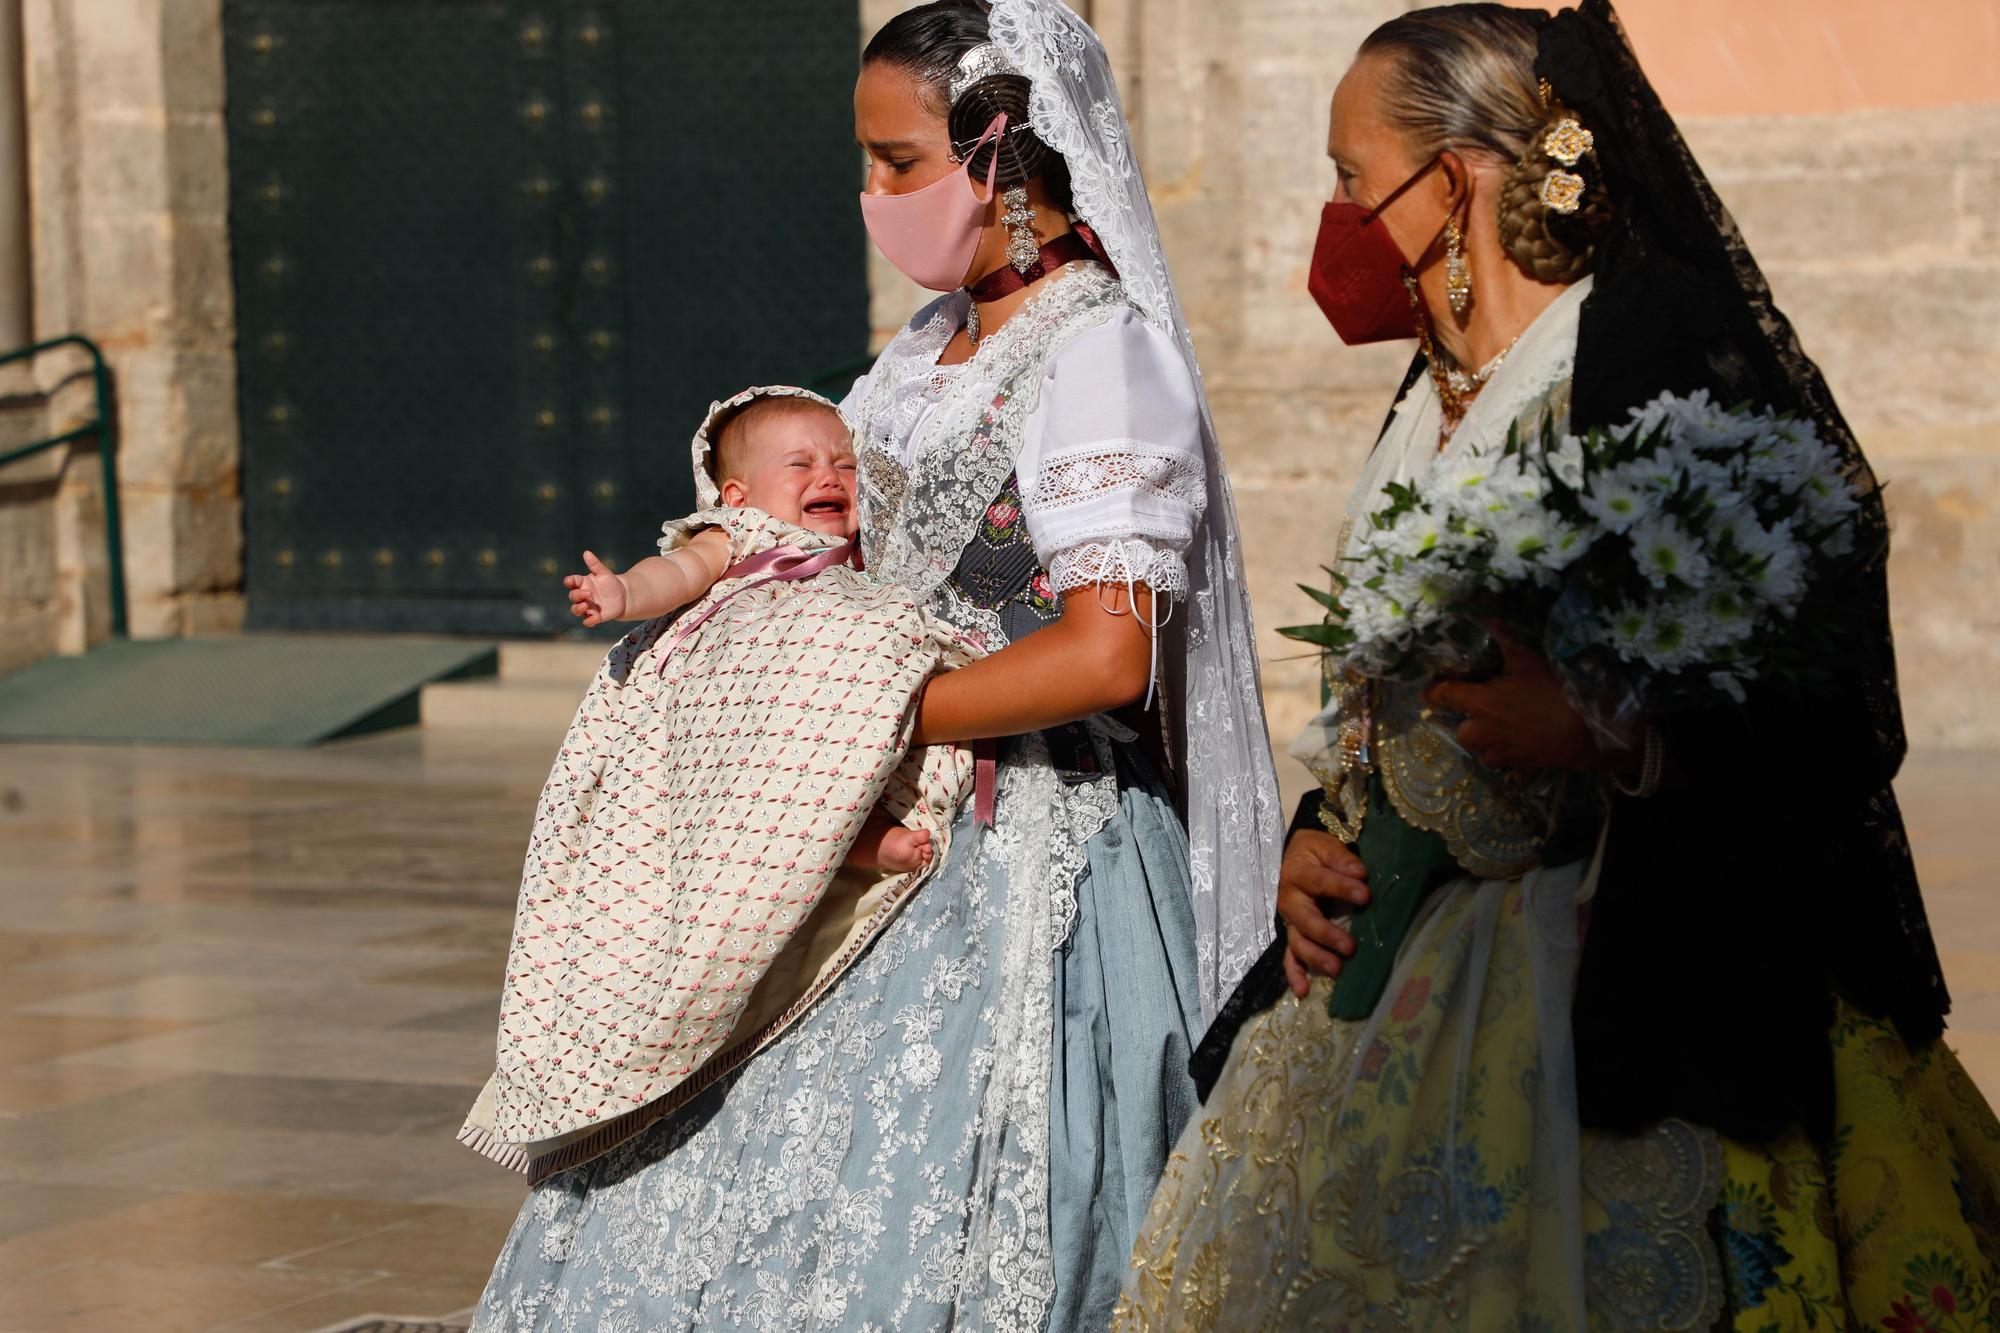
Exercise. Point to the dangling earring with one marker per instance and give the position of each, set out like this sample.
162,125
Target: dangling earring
1023,250
1457,273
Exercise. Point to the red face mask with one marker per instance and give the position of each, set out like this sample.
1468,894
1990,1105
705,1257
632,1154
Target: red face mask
1358,271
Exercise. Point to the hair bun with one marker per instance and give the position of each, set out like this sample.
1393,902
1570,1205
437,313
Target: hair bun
1023,156
1547,245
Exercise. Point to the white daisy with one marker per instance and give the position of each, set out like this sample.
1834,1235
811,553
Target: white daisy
1664,551
1618,498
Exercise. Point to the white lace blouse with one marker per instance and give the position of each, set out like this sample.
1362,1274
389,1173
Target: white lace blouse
1110,468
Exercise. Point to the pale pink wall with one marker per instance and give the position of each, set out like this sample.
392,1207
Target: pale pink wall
1792,57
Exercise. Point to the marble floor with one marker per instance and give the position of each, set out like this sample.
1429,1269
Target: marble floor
246,996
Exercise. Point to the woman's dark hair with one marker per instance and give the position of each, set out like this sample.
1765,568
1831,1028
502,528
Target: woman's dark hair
928,42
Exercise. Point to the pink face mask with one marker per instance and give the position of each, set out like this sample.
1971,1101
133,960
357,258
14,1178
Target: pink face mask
932,234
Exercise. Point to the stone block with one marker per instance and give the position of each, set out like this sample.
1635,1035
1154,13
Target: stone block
27,635
128,292
208,541
190,42
1326,34
1273,438
1945,557
1937,139
143,381
1888,214
208,614
123,168
24,419
1979,209
204,299
147,518
118,43
27,544
83,587
197,172
1901,346
205,420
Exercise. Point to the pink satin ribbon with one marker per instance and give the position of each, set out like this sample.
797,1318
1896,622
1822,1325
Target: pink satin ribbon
780,564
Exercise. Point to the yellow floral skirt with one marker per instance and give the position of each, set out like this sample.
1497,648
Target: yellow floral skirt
1423,1170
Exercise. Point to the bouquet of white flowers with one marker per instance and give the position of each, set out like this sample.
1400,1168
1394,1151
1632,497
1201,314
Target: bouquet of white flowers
1662,558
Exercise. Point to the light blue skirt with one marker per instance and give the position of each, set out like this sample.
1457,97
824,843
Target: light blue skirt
825,1184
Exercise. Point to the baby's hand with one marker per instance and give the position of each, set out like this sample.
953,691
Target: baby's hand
906,848
597,596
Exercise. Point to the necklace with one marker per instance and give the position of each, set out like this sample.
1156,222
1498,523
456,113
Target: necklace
1455,388
1451,403
1079,243
1469,385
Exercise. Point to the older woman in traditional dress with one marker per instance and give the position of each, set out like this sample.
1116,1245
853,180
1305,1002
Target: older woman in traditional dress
1673,1058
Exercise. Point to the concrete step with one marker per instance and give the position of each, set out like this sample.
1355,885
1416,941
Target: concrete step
503,705
551,662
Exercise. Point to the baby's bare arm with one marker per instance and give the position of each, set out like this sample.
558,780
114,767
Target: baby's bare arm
661,584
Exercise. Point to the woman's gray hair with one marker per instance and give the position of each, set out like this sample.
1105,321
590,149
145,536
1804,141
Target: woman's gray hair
1462,79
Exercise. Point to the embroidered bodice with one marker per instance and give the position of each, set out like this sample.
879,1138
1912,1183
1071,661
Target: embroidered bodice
1095,411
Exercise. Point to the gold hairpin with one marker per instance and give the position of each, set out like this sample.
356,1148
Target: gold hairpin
1562,191
1567,141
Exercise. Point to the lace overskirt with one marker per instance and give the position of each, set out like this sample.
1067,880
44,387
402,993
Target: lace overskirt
840,1178
1423,1169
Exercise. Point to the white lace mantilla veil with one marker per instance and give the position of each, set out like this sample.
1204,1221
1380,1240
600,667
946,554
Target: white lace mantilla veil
1235,825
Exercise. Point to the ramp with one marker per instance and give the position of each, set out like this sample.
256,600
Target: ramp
254,689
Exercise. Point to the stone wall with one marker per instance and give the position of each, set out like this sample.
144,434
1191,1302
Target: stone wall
1874,212
1880,229
129,241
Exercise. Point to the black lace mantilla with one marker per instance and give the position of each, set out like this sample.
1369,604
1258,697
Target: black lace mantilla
1772,870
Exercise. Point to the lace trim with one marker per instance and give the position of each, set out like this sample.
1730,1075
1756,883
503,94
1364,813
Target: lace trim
1038,837
1659,1188
1492,828
1126,560
1119,467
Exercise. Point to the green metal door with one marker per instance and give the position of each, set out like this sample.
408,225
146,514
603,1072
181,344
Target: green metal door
494,258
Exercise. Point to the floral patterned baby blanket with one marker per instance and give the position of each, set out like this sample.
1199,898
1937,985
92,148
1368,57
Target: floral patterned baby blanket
684,896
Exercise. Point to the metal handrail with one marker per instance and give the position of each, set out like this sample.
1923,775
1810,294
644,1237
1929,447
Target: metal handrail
105,428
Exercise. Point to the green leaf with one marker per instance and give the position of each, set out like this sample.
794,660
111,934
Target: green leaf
1330,601
1325,635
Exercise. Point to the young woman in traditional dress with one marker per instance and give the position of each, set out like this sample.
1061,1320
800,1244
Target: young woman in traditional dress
1676,1062
965,1130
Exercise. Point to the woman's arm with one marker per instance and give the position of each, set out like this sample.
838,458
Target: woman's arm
1097,657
